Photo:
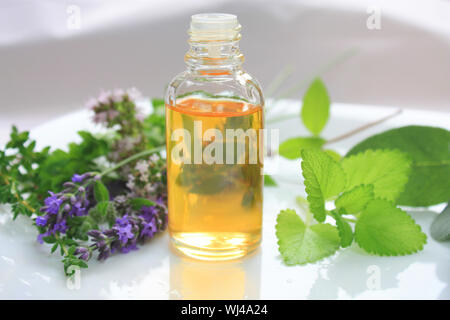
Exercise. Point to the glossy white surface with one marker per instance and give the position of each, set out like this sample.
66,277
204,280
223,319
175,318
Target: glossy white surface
28,271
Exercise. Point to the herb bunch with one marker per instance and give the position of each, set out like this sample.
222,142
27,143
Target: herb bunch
104,206
356,198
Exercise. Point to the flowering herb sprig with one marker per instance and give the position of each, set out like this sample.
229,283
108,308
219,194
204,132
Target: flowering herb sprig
117,109
102,211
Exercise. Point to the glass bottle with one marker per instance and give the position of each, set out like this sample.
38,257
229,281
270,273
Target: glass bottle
214,122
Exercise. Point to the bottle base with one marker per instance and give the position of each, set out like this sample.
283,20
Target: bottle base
215,245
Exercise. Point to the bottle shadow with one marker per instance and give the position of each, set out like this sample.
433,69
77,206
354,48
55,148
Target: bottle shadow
230,280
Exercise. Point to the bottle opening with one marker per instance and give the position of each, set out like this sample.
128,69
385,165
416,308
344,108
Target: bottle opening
214,27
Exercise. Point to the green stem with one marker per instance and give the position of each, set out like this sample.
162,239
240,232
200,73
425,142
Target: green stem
61,244
132,158
349,220
364,127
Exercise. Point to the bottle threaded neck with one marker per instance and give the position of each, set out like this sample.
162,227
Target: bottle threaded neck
212,27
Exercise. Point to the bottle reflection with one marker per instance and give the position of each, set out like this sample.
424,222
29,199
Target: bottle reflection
194,279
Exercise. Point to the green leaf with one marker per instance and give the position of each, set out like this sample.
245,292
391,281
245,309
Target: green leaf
386,170
54,247
49,239
334,154
60,165
428,147
344,229
300,244
355,200
440,228
100,192
291,148
138,203
316,107
324,178
72,250
269,181
157,102
302,203
99,212
385,230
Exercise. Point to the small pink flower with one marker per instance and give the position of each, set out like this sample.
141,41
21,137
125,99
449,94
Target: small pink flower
142,167
134,94
118,95
100,117
112,114
139,115
104,96
91,103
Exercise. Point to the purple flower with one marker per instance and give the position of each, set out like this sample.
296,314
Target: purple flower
129,247
77,178
52,203
60,226
41,221
104,253
40,238
78,209
148,212
149,229
84,253
124,233
122,222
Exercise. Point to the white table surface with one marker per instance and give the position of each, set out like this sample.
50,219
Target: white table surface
28,271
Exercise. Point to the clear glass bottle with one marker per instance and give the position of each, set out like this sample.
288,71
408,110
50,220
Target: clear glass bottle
214,122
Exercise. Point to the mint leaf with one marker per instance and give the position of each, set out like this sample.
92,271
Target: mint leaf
324,178
334,154
386,170
344,229
100,192
355,200
291,148
299,243
385,230
316,107
440,228
269,182
428,147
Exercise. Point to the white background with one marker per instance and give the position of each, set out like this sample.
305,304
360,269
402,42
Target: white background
48,69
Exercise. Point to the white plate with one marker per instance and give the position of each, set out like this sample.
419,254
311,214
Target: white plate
28,271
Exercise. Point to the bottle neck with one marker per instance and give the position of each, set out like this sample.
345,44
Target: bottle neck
219,57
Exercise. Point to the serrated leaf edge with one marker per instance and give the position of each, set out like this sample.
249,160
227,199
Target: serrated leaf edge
407,157
358,186
339,224
308,187
404,253
306,227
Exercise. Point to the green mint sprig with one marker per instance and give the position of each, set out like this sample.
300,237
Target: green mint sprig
367,196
